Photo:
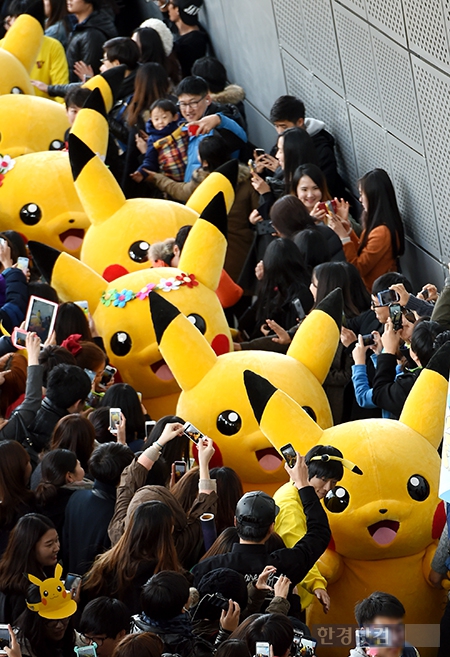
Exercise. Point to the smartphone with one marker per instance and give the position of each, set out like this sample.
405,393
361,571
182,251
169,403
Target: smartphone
299,309
4,638
192,433
87,651
425,293
387,296
251,165
23,263
330,207
72,583
179,469
368,339
107,375
395,313
139,394
114,420
90,374
262,649
289,454
83,305
18,338
41,316
149,427
259,152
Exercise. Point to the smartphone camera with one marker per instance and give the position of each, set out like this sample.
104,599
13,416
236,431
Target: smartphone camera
259,152
368,339
289,455
395,313
386,297
114,420
192,433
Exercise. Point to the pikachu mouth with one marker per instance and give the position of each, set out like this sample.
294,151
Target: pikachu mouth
384,532
268,459
162,371
72,239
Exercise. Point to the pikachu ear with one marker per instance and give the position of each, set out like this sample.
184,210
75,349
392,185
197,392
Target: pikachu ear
182,346
424,409
97,188
34,580
71,278
223,179
58,571
91,124
204,251
317,339
108,83
280,418
24,38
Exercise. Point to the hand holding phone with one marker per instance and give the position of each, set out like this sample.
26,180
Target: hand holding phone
395,313
289,454
115,416
386,297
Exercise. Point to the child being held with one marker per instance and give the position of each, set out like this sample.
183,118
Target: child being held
163,121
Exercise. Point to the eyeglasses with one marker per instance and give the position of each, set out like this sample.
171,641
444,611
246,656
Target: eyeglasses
193,103
96,641
53,624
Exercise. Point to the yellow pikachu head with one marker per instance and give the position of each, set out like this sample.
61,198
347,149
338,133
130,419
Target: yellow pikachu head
19,51
47,208
393,509
55,602
122,230
213,396
122,312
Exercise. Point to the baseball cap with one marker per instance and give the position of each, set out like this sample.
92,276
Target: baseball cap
255,508
189,10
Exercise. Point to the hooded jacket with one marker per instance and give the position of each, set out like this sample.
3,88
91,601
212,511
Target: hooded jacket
87,39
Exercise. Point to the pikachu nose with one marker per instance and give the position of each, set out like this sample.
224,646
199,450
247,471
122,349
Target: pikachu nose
382,510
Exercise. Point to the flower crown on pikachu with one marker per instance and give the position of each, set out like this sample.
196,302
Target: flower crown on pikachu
385,523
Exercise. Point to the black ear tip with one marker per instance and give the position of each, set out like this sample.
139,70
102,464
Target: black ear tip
44,257
333,305
231,171
357,470
259,391
440,361
163,313
95,102
114,77
79,154
216,213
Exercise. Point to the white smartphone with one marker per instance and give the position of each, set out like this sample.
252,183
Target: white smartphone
23,263
262,649
41,316
149,427
114,420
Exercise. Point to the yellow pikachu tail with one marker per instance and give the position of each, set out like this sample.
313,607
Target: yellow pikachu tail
223,179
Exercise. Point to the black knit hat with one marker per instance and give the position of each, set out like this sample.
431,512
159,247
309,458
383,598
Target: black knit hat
189,10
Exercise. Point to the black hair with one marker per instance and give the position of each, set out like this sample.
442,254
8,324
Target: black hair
71,320
165,104
193,85
181,236
378,604
252,532
233,648
151,46
55,466
164,595
214,150
124,49
124,396
289,215
76,97
324,469
31,632
108,461
43,290
331,275
50,357
317,176
423,339
67,384
313,247
176,449
275,629
287,108
105,615
16,244
100,421
298,149
382,210
360,296
385,281
212,71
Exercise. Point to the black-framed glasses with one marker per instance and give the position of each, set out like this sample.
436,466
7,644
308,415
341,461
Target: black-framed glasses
193,103
96,641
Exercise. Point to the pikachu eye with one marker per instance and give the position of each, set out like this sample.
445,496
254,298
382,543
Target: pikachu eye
121,343
30,214
418,488
138,251
337,499
16,90
310,412
45,594
198,322
56,145
229,423
59,589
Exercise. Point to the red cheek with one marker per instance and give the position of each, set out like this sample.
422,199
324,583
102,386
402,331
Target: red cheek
64,594
44,601
216,461
221,344
114,271
439,520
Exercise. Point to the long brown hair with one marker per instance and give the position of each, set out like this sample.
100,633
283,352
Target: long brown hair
76,433
148,537
151,83
13,487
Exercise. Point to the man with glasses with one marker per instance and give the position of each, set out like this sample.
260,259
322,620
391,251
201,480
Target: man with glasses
105,621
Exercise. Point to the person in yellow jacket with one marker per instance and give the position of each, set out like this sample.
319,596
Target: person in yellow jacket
290,523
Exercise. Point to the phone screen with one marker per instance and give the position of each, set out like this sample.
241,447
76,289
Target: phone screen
262,649
387,296
192,432
289,455
149,427
395,313
114,419
22,263
19,338
41,317
179,469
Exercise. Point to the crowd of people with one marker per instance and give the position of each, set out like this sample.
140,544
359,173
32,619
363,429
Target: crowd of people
153,562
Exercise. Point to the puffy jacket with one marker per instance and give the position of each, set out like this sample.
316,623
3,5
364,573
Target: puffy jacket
12,313
87,39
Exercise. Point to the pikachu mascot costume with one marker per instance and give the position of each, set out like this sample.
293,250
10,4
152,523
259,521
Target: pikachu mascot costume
213,395
385,523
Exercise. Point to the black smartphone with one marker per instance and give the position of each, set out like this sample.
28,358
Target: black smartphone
385,297
395,313
289,454
425,293
299,309
368,339
259,152
107,375
179,469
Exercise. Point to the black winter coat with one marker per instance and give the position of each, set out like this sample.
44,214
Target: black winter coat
87,39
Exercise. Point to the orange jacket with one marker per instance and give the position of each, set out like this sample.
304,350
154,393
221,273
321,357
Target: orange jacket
375,259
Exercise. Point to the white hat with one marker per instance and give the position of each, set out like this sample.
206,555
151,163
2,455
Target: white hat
165,34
